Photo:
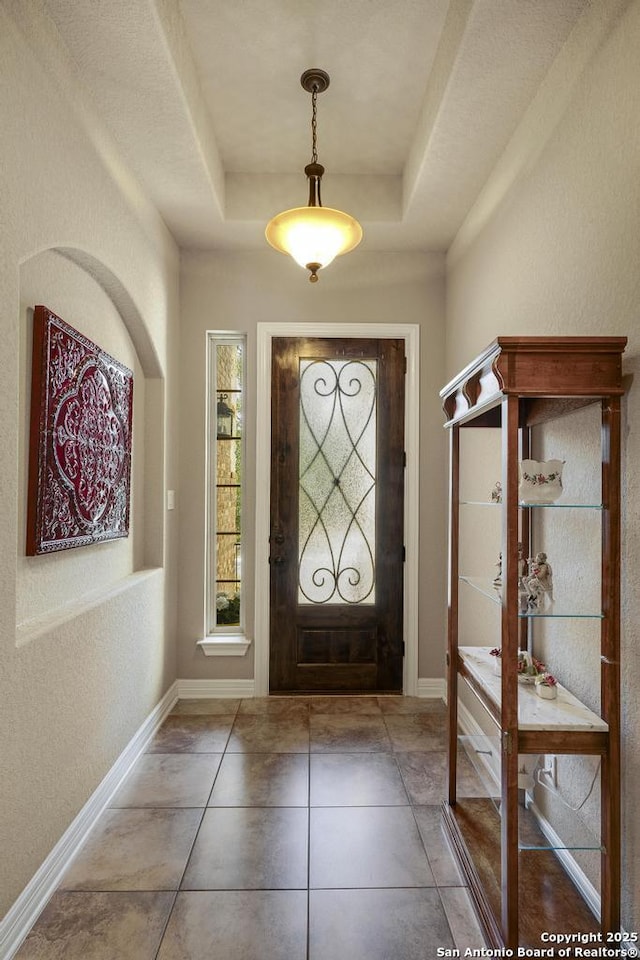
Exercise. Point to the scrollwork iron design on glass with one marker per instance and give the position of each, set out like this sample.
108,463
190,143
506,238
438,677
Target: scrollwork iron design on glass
337,481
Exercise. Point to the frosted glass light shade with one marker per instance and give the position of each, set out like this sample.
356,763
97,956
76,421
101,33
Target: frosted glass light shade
313,235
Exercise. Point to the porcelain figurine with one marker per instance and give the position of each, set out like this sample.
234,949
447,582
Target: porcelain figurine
523,593
539,582
497,580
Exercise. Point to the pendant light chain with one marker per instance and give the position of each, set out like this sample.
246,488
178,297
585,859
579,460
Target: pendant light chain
314,124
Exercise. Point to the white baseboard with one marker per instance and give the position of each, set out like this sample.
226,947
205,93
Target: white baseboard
25,911
577,874
200,689
432,688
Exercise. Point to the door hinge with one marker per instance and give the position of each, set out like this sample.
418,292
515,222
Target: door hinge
404,554
404,459
405,364
402,648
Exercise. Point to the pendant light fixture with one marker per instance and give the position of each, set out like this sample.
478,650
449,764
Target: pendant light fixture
314,235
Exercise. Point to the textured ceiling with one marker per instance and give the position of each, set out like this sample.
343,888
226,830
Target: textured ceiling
260,112
204,101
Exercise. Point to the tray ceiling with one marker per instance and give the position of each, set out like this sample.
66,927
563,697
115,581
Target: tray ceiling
204,102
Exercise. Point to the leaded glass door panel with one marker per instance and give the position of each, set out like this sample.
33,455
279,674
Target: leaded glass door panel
337,484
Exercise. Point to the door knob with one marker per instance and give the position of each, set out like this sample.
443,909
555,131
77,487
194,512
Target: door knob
277,559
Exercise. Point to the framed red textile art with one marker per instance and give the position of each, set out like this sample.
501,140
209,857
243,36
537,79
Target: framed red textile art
80,442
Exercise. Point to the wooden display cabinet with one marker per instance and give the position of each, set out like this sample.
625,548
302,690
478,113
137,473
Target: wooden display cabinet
520,870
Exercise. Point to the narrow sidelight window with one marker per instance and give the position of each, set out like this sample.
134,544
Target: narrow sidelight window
226,357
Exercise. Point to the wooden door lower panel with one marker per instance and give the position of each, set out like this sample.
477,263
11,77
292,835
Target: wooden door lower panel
338,658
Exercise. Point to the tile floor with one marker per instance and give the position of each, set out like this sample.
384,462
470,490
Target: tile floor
271,829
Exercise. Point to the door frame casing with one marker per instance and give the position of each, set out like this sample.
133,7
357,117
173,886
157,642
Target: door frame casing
410,333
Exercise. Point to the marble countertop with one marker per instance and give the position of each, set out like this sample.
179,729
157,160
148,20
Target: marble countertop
565,712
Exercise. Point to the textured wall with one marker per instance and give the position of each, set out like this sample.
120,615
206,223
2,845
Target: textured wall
86,636
552,247
235,292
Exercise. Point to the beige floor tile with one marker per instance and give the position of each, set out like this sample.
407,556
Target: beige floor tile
470,783
237,925
411,705
262,780
441,859
377,925
356,779
192,734
366,847
465,928
266,734
353,706
169,780
206,706
424,731
348,734
294,707
99,926
135,850
424,775
249,848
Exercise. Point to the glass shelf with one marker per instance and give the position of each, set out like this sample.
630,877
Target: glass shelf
480,503
485,587
561,506
536,833
558,609
535,506
558,613
478,777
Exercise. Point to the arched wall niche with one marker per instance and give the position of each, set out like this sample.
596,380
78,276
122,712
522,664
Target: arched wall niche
87,294
122,301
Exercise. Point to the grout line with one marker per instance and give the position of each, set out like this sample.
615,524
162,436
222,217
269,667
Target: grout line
92,891
394,887
164,929
195,836
242,890
98,890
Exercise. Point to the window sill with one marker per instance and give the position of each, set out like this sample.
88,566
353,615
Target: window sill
234,645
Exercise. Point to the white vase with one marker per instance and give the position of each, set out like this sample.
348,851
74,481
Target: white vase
540,480
547,693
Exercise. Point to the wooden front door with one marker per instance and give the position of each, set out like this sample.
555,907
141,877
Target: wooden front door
337,489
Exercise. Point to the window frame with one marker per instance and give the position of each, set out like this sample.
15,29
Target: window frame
229,635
